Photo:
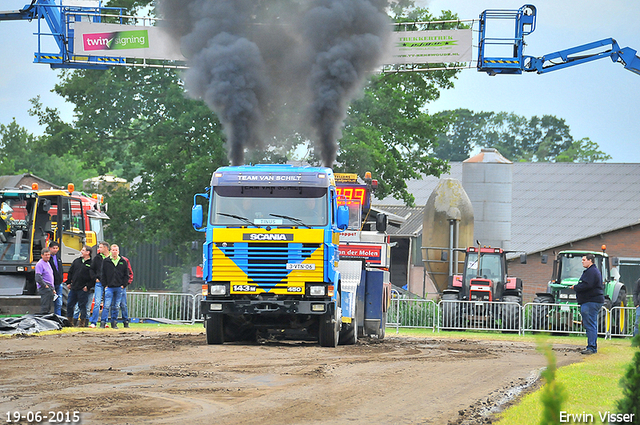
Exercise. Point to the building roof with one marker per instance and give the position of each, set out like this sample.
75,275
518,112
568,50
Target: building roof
557,203
14,181
412,224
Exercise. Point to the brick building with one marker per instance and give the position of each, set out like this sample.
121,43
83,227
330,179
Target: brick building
554,206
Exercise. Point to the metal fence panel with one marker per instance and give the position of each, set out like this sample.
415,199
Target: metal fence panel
478,315
167,306
560,318
622,321
412,313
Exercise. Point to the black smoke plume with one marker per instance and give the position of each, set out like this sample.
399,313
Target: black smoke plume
273,67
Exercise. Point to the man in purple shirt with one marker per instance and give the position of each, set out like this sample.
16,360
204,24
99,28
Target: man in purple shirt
44,280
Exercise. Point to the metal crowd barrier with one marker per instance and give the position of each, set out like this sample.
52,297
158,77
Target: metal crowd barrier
504,317
478,315
182,308
426,314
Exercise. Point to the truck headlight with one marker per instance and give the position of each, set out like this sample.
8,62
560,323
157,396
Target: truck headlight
564,296
218,289
317,291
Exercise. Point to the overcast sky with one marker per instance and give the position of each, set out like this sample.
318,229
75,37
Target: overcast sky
599,100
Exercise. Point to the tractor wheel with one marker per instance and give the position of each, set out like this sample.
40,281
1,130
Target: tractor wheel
618,318
450,311
604,318
215,329
511,312
540,313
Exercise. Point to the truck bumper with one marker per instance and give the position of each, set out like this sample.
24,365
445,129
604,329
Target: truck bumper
265,307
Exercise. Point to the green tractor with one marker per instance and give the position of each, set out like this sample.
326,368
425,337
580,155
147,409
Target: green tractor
567,269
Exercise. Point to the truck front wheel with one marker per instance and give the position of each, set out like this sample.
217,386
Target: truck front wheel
215,329
329,332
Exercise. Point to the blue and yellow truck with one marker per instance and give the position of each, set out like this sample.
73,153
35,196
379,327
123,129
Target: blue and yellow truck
271,257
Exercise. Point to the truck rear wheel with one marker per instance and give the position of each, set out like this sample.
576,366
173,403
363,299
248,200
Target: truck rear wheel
349,335
215,329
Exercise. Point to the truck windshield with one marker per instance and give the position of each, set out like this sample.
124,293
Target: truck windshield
15,220
490,267
260,205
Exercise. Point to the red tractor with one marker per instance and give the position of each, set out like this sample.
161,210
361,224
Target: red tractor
493,298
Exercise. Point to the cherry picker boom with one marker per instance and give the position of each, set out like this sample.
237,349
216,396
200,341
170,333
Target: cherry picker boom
504,55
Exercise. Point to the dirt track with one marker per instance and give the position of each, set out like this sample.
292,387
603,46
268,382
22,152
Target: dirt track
118,377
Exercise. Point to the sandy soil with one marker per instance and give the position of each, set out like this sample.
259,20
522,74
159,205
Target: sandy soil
133,377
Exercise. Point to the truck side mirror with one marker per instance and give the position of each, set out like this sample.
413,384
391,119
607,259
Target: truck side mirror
544,258
343,217
523,258
196,216
381,223
615,261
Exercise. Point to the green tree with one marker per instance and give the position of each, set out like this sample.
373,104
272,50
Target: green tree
538,139
388,131
138,123
630,383
21,152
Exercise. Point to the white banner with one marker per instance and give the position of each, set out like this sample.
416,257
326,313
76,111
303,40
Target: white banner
430,47
112,40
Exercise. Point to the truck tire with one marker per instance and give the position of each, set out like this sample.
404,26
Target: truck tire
383,326
329,333
215,329
511,312
540,313
349,335
618,318
450,312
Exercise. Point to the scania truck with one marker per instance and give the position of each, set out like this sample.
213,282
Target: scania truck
271,255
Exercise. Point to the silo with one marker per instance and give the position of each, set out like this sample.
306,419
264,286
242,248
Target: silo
488,179
447,224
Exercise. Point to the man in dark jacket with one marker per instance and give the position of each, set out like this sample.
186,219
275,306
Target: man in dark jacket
79,283
96,268
636,302
590,295
114,277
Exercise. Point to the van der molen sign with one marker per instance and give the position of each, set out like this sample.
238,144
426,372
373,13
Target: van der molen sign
417,47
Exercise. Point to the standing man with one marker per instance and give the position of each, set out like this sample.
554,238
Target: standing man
79,283
636,302
590,295
96,271
123,299
56,266
115,276
44,280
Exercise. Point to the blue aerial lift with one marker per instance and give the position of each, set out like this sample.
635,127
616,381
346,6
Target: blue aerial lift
60,19
504,55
